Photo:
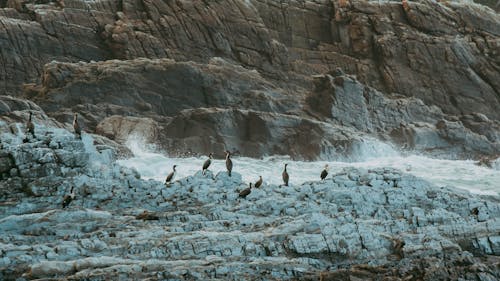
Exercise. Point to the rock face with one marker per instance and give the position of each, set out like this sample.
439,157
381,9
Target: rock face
160,59
357,224
195,108
15,110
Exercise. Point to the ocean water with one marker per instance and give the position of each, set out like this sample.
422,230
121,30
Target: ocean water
463,174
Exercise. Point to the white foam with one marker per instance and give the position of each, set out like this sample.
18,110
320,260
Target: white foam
452,173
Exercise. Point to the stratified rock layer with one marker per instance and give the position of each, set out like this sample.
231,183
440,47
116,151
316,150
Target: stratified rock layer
367,224
265,57
196,108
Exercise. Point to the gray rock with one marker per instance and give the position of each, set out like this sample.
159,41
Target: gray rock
201,229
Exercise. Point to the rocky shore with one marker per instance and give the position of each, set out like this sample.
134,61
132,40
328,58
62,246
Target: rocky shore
357,224
258,75
313,80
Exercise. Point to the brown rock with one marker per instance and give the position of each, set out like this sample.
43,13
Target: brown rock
444,54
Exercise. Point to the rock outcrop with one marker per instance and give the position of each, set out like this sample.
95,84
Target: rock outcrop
157,59
14,110
189,108
358,224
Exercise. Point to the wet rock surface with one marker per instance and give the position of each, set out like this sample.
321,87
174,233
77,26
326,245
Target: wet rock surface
155,60
15,110
218,106
365,224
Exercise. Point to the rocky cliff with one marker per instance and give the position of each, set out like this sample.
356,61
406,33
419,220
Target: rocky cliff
236,71
379,224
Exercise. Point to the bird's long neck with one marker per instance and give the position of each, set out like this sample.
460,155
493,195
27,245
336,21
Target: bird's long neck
30,116
71,191
228,155
285,168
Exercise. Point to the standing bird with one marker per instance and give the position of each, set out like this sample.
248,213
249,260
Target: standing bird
259,182
171,176
285,175
30,127
68,198
207,163
229,163
325,172
76,126
244,193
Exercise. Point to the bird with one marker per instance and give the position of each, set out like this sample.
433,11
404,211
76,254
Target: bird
171,176
285,175
244,193
229,163
30,127
68,198
259,182
76,126
207,163
324,173
147,216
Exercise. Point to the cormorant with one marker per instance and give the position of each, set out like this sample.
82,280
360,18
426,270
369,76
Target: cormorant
285,175
171,176
30,127
68,198
207,163
229,163
244,193
259,182
147,216
325,172
76,126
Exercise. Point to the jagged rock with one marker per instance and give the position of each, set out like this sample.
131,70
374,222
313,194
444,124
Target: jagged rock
197,227
408,121
122,128
164,89
256,55
18,110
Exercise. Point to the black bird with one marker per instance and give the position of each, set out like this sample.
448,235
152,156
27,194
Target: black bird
171,176
207,163
229,163
30,127
147,216
76,126
325,172
285,175
68,198
259,182
244,193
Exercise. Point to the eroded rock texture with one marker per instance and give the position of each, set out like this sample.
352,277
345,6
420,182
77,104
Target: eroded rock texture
357,224
262,56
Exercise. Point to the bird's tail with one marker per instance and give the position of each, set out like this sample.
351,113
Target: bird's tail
229,173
